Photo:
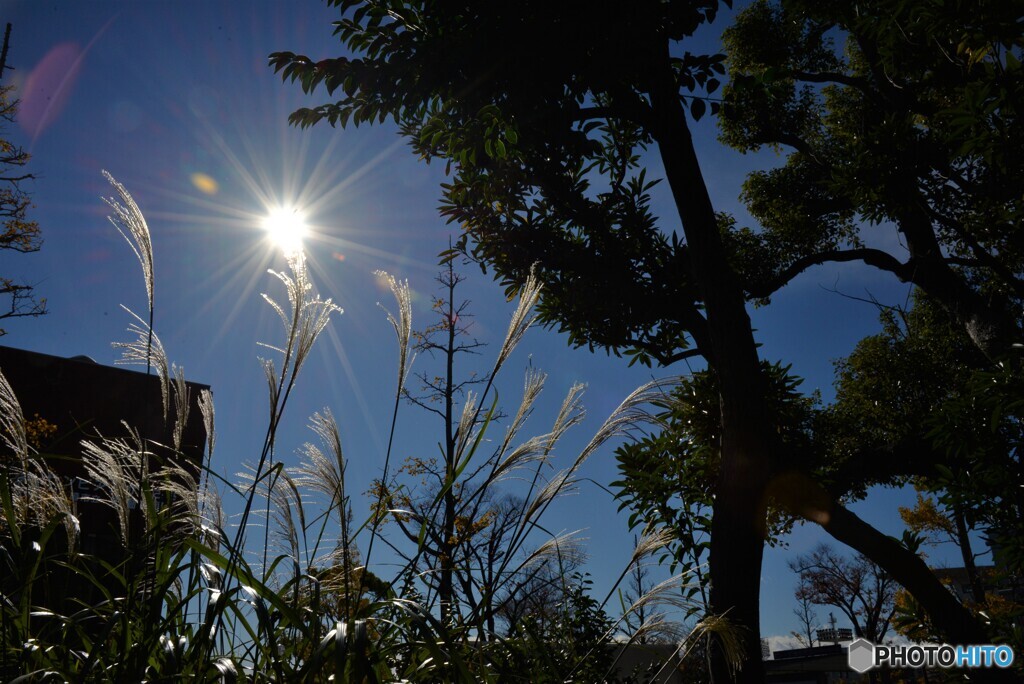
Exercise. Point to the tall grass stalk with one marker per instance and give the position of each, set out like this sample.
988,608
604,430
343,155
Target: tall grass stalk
402,325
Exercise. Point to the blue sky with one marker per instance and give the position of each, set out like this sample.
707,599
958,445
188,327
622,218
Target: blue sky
176,101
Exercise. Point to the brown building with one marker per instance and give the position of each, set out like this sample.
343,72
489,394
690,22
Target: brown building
84,400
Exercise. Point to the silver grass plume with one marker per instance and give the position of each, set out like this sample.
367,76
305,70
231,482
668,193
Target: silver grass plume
633,412
130,222
657,626
570,413
12,421
42,496
402,323
666,592
561,483
273,384
245,477
181,405
324,472
38,496
115,468
653,539
179,485
212,517
533,384
37,493
403,330
206,408
211,512
567,546
306,318
112,466
521,318
530,451
146,350
728,635
287,505
464,433
246,481
539,447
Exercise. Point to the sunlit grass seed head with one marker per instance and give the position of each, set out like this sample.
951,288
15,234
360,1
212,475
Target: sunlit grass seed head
37,494
307,315
146,350
402,323
12,422
323,469
522,318
113,468
130,222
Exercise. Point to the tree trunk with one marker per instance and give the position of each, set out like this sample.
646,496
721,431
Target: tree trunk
990,326
964,542
737,547
747,440
446,593
3,53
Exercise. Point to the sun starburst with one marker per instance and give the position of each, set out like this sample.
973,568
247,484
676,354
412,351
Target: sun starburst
286,227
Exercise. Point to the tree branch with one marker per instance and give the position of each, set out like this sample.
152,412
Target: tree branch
872,257
635,111
832,77
982,255
812,502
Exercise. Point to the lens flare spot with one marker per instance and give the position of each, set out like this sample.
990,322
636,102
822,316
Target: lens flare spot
48,87
204,183
337,256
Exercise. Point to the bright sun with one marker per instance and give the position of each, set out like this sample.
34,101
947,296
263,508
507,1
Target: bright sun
286,227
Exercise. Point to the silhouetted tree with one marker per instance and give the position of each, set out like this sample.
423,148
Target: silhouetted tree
890,117
862,590
542,113
17,232
806,617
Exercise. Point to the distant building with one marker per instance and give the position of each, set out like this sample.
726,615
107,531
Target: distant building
835,634
995,579
815,665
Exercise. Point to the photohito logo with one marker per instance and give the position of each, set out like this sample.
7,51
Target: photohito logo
864,655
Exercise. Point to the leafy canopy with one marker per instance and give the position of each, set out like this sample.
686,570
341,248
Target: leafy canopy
541,113
891,114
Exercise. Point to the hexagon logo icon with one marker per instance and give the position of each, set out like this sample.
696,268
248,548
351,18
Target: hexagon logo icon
861,655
